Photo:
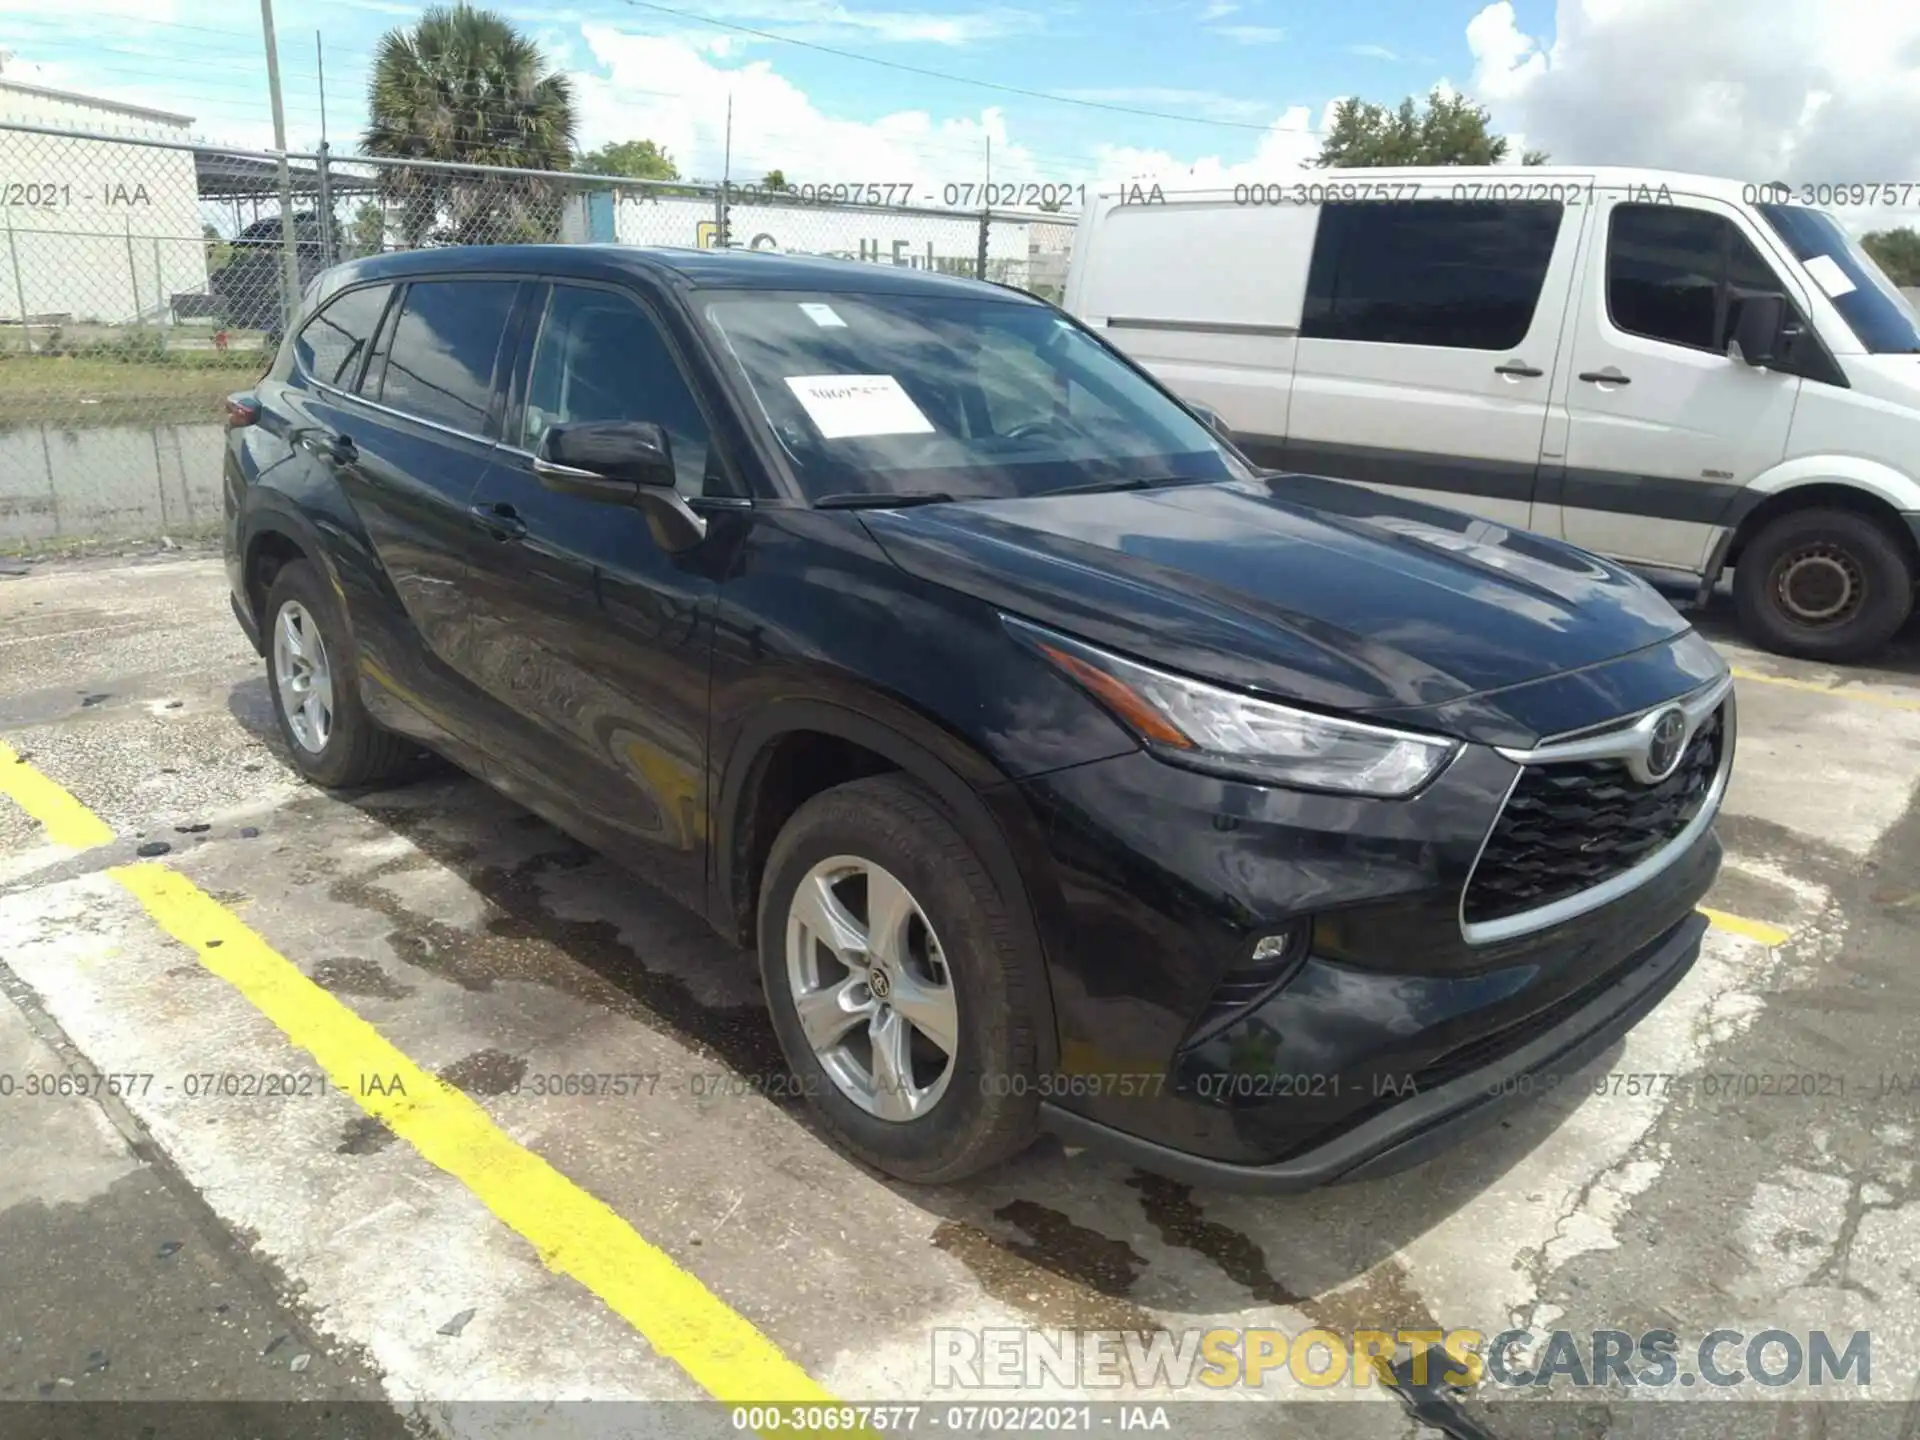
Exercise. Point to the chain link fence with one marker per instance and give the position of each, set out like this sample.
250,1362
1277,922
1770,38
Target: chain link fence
144,280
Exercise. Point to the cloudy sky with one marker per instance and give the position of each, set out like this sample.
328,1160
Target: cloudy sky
1807,90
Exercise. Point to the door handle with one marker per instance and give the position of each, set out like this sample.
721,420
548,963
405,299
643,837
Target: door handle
499,520
1519,368
1609,376
338,448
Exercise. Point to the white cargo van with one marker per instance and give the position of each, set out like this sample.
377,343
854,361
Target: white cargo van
1679,372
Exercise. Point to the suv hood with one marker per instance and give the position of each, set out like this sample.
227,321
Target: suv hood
1309,589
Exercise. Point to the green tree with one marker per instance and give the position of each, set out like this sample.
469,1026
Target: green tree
1449,130
464,85
635,159
774,180
1895,251
219,252
367,231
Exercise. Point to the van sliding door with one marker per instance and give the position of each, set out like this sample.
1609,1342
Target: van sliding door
1428,342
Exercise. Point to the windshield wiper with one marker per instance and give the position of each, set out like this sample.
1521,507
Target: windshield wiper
1137,482
881,500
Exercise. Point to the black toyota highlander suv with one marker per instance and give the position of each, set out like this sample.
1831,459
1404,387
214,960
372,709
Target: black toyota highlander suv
1065,770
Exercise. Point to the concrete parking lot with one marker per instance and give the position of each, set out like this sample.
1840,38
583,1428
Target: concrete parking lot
279,1203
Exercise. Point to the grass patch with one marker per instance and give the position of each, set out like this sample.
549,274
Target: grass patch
81,392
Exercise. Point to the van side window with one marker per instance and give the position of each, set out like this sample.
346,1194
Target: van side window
1461,274
1680,275
444,348
332,344
599,357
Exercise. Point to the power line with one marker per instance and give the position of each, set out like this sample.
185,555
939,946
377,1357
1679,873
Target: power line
941,74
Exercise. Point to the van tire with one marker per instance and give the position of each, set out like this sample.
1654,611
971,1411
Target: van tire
988,1110
1808,560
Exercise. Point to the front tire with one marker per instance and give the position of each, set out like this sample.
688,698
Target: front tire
1823,585
898,987
315,686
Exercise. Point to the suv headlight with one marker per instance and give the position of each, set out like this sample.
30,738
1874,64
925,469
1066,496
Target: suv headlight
1212,728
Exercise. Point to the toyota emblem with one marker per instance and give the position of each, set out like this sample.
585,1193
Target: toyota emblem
1666,743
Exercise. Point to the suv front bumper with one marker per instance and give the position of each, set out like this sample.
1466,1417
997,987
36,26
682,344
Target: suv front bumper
1422,1125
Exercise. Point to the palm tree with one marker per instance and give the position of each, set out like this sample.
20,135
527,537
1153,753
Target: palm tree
464,85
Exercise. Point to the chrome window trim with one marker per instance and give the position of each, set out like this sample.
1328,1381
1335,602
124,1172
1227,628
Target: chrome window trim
453,430
1617,742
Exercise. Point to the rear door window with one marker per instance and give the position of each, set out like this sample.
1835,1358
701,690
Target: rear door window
1460,274
445,349
331,346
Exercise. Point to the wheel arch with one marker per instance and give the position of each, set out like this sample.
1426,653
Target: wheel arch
1878,492
795,749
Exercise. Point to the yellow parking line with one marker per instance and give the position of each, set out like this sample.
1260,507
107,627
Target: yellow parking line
1837,692
574,1233
65,819
1739,925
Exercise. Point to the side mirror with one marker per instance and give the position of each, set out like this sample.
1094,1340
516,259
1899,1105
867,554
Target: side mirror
621,462
1756,338
624,452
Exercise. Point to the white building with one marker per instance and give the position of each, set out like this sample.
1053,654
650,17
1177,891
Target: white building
94,230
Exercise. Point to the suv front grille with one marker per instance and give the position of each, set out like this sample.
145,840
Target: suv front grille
1571,825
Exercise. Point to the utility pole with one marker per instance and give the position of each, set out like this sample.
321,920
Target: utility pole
289,256
726,180
327,249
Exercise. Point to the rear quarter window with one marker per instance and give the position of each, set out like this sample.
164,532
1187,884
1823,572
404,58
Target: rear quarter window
332,346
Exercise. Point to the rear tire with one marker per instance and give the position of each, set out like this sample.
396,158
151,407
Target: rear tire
315,686
1823,585
955,963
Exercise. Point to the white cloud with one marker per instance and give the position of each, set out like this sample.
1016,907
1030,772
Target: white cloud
663,89
1249,34
1219,10
1288,144
1804,90
1373,52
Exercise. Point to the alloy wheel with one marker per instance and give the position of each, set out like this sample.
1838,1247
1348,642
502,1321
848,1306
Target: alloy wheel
305,678
871,987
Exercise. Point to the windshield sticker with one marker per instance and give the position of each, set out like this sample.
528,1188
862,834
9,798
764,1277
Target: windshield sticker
1828,275
823,316
844,406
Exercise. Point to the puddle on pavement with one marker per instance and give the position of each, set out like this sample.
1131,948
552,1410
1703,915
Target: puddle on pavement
1063,1275
348,975
485,1072
521,940
1182,1224
364,1136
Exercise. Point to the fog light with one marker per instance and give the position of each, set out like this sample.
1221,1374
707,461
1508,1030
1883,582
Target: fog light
1272,947
1273,960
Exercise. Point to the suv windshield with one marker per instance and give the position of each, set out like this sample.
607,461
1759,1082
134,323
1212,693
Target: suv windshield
1867,300
957,395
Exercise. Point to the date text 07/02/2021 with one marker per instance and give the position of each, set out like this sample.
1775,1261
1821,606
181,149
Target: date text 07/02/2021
954,195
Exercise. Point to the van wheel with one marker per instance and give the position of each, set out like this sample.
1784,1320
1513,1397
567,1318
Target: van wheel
1823,585
898,988
315,688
